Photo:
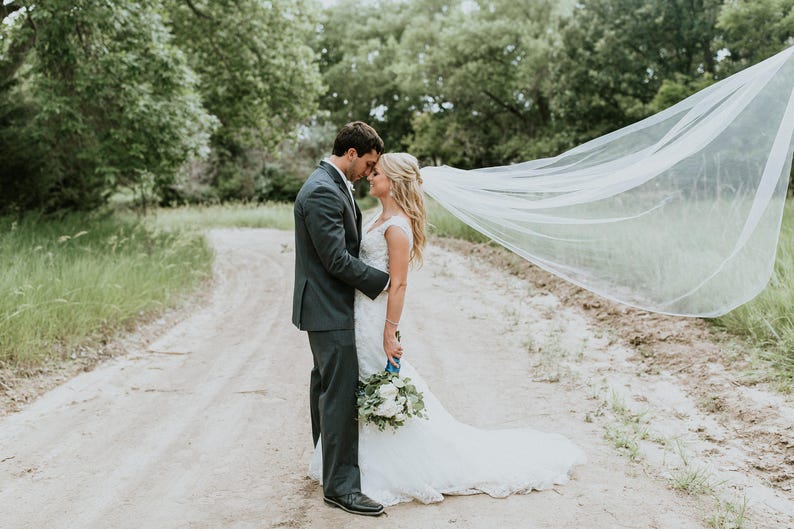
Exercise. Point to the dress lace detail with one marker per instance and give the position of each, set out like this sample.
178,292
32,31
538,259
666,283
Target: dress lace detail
369,314
440,455
374,250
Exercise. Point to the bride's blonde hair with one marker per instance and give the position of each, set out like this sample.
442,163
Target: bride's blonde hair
402,170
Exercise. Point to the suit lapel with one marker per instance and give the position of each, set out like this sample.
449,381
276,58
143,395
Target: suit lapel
340,183
337,177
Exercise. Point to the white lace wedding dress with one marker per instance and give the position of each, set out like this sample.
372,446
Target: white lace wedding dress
427,458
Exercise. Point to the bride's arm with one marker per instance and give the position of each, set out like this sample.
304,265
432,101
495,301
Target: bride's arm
399,255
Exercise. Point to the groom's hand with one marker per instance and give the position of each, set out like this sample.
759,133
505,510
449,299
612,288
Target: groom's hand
392,347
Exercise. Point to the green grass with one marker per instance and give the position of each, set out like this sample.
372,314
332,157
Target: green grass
75,281
768,320
729,515
442,223
272,215
692,480
630,428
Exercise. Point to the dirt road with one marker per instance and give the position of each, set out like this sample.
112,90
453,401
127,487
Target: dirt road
208,427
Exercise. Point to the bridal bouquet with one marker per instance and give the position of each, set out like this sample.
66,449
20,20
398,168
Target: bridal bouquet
387,399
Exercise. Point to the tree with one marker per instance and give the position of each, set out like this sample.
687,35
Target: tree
616,54
754,31
257,75
20,155
485,81
126,93
430,74
361,60
106,95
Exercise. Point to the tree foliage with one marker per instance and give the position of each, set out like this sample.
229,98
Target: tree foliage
101,94
233,99
488,79
361,59
116,100
617,54
757,29
429,74
257,74
495,81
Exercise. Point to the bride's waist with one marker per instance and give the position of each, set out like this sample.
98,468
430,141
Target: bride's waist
374,307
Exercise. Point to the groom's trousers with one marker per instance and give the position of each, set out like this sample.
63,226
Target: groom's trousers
332,400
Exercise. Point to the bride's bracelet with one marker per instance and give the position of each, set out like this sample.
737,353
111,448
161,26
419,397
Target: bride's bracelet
395,323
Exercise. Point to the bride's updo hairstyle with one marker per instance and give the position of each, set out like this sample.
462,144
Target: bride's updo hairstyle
402,170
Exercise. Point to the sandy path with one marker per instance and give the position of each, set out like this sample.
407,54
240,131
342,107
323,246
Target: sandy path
208,427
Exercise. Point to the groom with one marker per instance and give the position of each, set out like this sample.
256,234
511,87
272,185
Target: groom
327,273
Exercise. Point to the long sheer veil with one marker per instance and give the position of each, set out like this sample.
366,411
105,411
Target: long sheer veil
679,213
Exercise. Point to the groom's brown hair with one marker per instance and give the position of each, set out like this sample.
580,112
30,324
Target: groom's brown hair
359,136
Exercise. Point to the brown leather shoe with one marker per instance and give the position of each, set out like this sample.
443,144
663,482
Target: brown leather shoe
355,503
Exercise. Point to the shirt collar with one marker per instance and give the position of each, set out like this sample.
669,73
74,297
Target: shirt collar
344,178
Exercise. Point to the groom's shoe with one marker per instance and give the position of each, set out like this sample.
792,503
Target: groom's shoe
356,503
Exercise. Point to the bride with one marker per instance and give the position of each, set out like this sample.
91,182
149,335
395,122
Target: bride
439,455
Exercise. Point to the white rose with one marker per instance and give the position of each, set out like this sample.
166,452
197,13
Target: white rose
388,408
388,391
400,417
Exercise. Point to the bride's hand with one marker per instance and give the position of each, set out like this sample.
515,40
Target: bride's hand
392,347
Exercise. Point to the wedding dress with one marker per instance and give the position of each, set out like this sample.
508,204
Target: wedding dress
427,458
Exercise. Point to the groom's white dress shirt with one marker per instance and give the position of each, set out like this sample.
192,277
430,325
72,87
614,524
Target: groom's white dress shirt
344,179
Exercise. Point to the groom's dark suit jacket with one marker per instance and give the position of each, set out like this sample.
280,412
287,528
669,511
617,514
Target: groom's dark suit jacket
327,268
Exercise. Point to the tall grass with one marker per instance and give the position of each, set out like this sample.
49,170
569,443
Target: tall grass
279,216
442,223
77,280
252,215
768,320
